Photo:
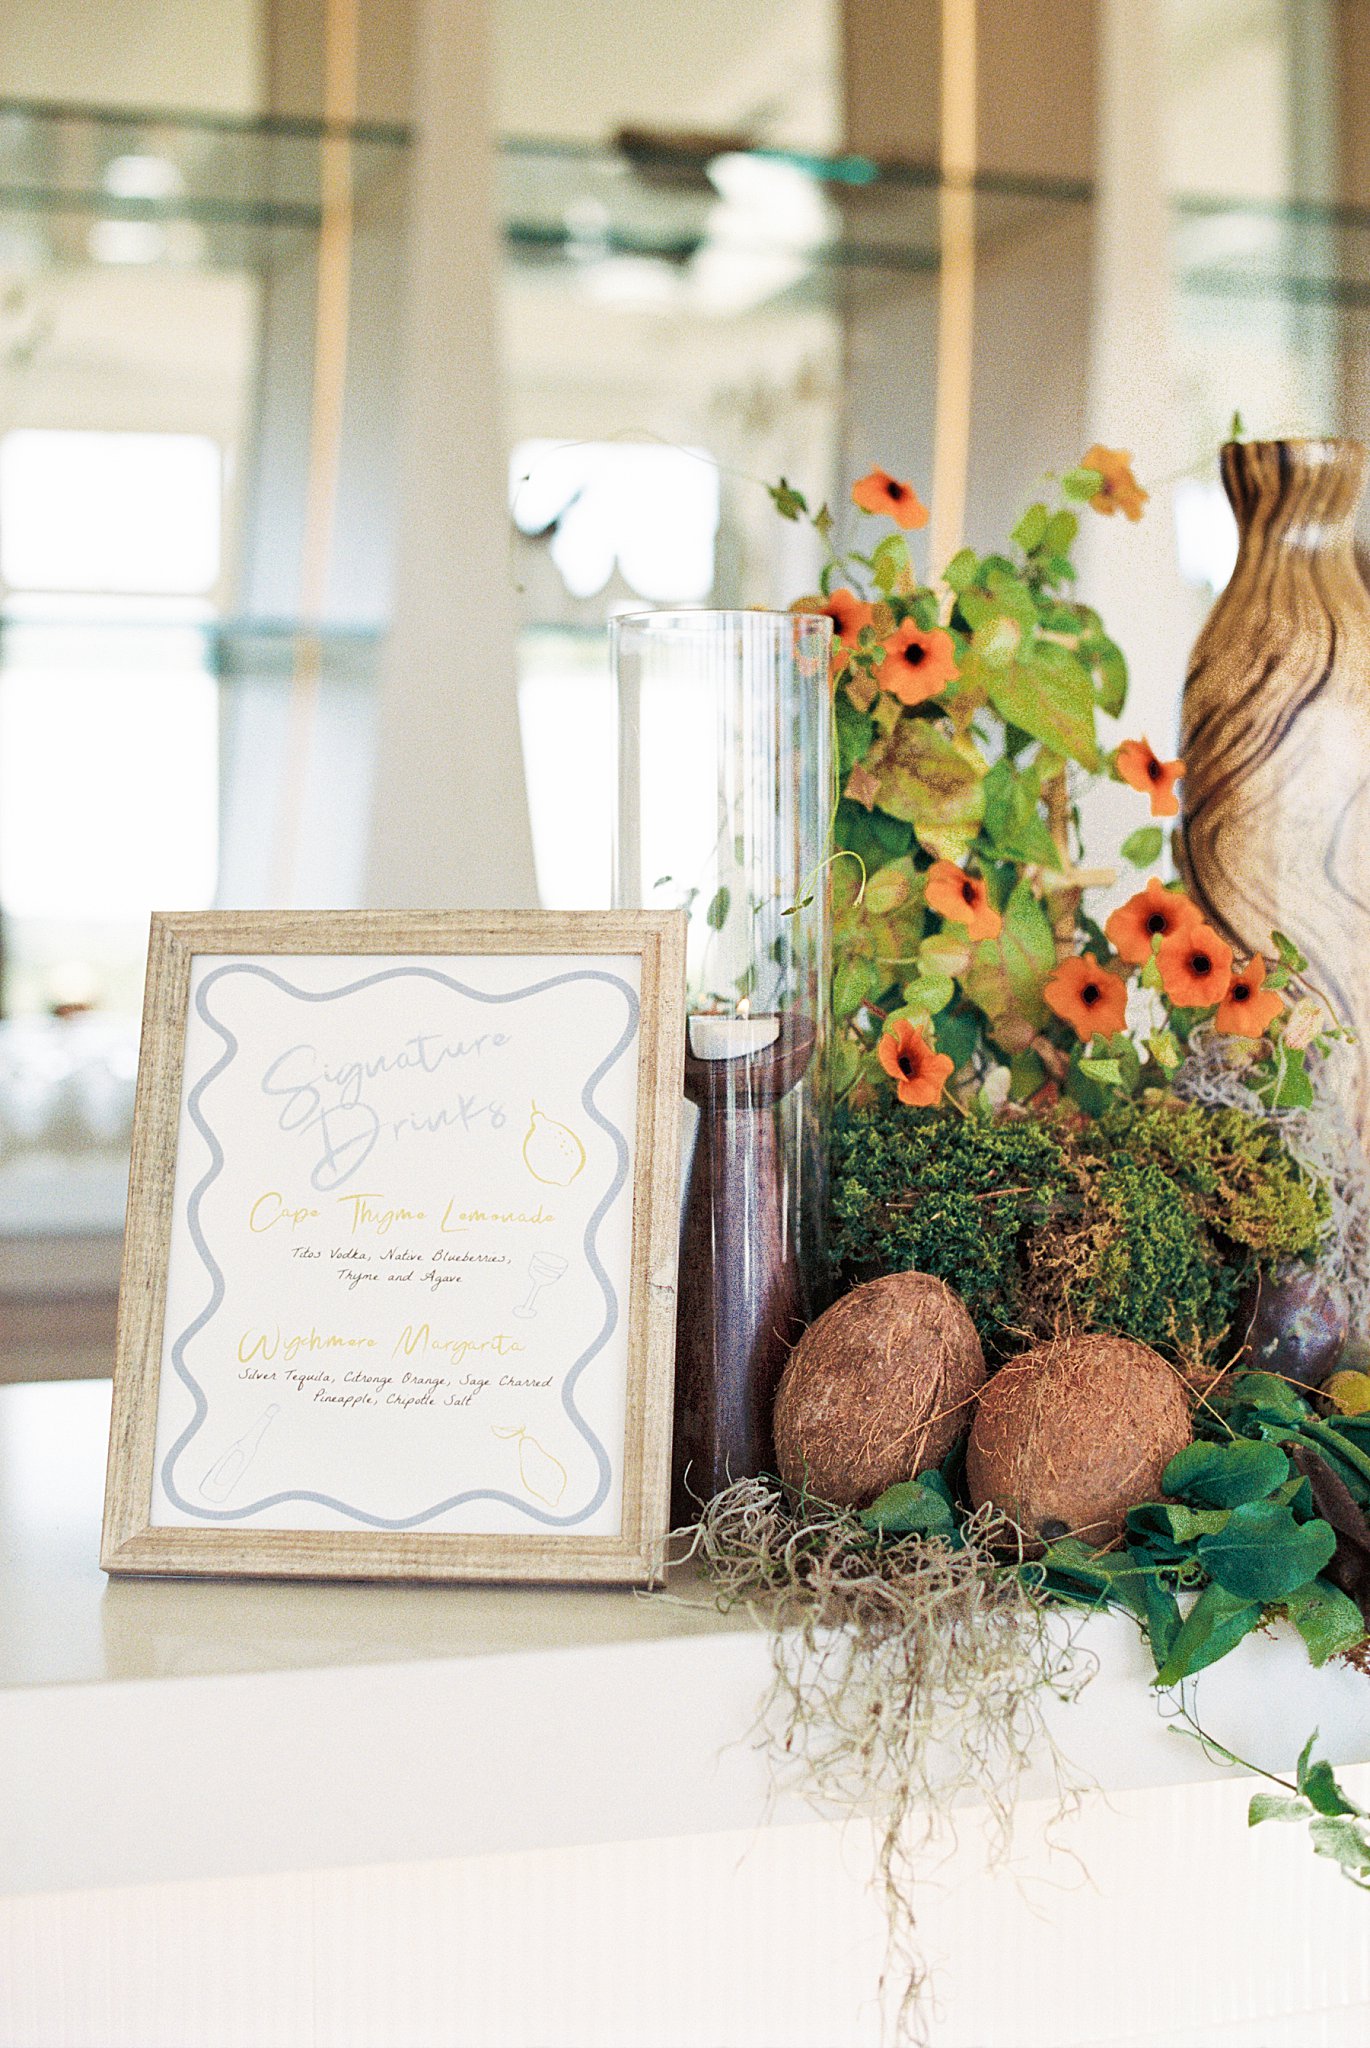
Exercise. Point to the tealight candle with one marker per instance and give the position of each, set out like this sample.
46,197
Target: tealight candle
731,1038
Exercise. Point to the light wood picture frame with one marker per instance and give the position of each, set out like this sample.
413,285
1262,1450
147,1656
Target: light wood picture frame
296,1042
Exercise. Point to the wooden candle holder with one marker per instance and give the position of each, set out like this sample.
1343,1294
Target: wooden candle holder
741,1297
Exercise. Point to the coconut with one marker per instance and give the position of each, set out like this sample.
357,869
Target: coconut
1068,1437
878,1389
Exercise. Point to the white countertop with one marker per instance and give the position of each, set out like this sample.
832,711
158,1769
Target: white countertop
165,1729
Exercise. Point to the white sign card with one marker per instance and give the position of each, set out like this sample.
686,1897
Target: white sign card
399,1271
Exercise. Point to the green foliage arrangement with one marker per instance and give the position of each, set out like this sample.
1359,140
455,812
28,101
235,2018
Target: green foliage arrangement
1149,1221
1245,1525
966,713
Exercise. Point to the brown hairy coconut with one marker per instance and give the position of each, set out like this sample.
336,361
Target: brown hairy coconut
1068,1437
878,1389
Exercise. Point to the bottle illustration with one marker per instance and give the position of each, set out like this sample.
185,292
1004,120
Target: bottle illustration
541,1474
544,1270
224,1474
552,1152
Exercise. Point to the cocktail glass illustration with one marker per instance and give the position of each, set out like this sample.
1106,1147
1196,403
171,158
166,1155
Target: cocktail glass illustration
544,1270
224,1474
540,1473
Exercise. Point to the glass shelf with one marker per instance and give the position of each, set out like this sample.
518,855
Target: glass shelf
122,185
644,199
234,649
1294,252
135,185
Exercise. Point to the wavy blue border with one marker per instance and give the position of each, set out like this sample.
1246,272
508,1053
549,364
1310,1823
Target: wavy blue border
611,1304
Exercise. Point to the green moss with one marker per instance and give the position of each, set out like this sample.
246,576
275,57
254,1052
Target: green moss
1155,1275
1148,1222
1233,1169
926,1189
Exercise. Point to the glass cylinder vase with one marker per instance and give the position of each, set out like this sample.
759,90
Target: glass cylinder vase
724,808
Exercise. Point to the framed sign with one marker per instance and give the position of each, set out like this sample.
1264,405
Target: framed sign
398,1295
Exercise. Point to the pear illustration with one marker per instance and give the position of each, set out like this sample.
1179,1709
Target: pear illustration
541,1474
551,1151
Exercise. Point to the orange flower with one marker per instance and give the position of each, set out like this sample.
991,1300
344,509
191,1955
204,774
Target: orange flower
881,492
914,665
1092,1001
1121,491
1196,966
1138,766
1248,1010
1153,914
848,615
907,1058
962,899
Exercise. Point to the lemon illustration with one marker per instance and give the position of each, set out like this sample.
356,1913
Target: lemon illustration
551,1152
540,1473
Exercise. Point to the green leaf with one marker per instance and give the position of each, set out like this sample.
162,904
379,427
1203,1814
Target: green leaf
1076,1570
930,992
1082,484
1346,1843
924,778
1225,1475
957,1034
851,986
1027,1074
855,733
1107,1072
1288,1086
1049,695
998,640
1266,1393
1264,1554
1214,1625
1110,671
1276,1806
1318,1784
1059,537
1030,528
1162,1615
962,570
1143,847
788,502
889,888
873,835
1165,1049
915,1507
846,1065
716,916
1176,1522
1013,822
890,561
1289,953
1006,975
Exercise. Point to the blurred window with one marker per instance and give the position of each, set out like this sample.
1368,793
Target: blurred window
117,512
110,552
650,510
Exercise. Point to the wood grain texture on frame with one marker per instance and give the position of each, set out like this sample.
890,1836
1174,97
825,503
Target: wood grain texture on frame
131,1544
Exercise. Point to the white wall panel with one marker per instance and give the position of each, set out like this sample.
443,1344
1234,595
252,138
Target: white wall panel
1156,1921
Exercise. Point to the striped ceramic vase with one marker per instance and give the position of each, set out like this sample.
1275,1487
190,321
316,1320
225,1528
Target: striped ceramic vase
1276,730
